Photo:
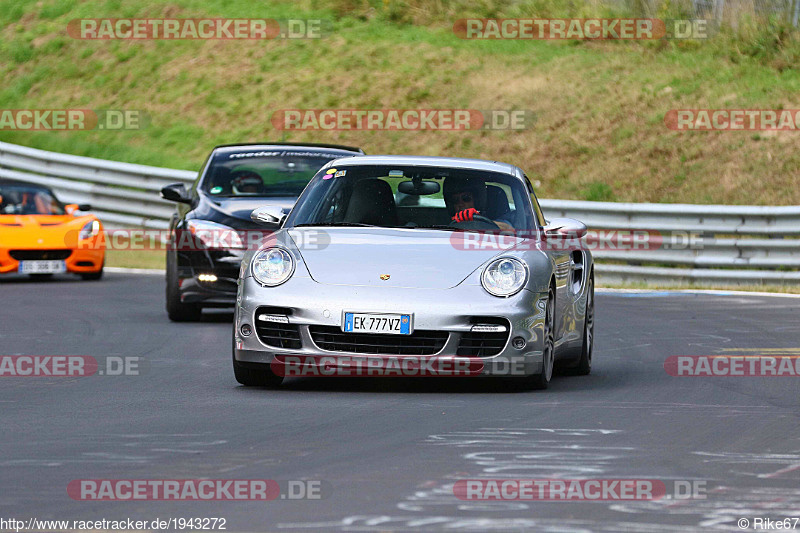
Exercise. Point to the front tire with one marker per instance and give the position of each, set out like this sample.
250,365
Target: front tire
252,377
252,374
584,366
94,276
541,380
177,310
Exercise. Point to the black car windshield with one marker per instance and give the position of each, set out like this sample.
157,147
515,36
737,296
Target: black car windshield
28,200
267,173
413,197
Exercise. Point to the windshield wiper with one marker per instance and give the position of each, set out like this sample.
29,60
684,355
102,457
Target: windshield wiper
358,224
447,228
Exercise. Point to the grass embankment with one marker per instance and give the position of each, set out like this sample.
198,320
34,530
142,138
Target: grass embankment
599,132
149,259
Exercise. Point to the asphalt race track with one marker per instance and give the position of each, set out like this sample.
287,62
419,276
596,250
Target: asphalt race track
387,452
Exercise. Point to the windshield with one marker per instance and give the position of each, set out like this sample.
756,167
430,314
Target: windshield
28,200
263,173
413,197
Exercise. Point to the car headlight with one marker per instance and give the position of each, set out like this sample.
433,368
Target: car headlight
504,277
215,235
272,266
89,230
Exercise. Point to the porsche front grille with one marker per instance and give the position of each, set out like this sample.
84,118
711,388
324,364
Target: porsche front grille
39,255
278,335
474,344
420,342
484,343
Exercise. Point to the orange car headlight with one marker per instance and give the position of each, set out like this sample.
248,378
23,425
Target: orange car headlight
91,229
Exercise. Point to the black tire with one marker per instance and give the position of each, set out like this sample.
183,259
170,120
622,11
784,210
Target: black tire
252,377
541,380
253,374
584,366
94,276
177,310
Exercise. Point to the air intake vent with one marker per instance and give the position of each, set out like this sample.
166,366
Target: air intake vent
275,333
40,255
482,342
420,342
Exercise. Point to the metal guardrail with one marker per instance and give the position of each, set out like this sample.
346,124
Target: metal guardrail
122,194
733,245
708,219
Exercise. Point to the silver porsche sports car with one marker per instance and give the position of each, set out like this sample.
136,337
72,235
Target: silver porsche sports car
415,266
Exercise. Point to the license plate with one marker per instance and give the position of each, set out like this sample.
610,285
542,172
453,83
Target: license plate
377,323
42,267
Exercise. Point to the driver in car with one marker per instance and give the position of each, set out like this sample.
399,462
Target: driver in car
468,198
34,204
247,182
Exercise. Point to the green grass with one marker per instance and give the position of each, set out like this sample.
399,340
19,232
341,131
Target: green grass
149,259
599,132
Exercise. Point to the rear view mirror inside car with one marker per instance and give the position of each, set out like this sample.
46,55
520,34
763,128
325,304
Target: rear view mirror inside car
418,188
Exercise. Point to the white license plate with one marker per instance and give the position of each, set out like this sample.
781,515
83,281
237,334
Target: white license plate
42,267
377,323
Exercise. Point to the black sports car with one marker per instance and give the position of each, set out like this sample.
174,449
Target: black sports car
215,213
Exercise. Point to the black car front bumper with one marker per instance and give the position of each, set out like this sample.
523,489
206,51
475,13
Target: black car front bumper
194,283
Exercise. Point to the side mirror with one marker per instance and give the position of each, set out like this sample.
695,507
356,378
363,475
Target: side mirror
176,193
71,208
565,228
270,215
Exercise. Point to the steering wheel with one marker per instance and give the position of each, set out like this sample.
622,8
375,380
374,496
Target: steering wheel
477,222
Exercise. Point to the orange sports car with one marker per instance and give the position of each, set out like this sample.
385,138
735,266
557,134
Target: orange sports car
40,236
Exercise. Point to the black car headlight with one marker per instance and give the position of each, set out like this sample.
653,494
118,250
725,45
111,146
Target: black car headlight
214,235
272,266
504,277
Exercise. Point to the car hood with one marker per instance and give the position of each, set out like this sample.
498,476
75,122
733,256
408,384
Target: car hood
240,208
40,231
411,258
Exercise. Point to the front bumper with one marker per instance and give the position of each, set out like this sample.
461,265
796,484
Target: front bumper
224,264
453,311
79,261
